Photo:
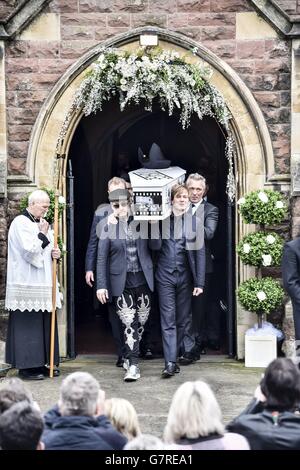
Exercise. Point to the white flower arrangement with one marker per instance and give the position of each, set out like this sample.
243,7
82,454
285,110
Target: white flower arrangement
143,75
261,295
242,200
270,239
246,248
267,260
263,197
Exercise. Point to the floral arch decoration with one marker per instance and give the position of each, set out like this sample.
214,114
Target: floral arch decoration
146,74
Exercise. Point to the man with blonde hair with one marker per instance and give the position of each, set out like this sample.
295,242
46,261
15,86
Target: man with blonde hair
29,290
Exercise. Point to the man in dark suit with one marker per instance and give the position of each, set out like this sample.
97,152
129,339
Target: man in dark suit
179,276
101,214
125,274
205,313
291,281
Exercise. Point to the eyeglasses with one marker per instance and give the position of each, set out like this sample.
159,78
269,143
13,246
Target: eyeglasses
116,205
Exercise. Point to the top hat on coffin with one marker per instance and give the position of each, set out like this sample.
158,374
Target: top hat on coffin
155,160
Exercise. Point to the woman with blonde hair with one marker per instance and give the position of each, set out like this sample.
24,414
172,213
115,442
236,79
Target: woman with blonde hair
123,417
195,421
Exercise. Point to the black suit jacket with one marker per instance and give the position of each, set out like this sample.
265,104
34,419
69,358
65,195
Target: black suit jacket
195,254
291,269
91,253
111,260
210,216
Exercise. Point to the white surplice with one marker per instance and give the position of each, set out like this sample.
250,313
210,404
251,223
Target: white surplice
29,268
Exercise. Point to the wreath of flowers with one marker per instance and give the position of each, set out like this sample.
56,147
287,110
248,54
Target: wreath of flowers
263,207
261,249
141,76
260,295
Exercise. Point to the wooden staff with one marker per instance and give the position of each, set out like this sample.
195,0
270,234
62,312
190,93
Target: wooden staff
54,267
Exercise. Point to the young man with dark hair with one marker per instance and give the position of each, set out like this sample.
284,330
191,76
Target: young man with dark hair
21,427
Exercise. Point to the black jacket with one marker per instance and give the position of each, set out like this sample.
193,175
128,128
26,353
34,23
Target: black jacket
80,433
211,216
266,431
291,269
111,261
91,253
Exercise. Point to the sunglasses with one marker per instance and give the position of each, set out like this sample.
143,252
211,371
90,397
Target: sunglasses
116,205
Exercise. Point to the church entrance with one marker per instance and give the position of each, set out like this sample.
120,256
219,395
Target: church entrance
106,145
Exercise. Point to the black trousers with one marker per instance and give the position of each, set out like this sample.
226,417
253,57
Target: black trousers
133,308
116,328
206,313
175,295
28,339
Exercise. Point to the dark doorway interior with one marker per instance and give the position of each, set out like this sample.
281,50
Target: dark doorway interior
95,152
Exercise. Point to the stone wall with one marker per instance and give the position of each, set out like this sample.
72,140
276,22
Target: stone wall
66,29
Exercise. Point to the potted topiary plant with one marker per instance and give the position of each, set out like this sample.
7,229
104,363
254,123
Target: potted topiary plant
258,249
261,296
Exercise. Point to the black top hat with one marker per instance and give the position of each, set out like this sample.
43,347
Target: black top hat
118,195
155,160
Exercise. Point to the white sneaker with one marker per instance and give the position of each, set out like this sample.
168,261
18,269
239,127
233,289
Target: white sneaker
132,374
126,364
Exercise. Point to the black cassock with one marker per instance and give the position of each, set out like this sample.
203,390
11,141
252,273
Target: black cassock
28,339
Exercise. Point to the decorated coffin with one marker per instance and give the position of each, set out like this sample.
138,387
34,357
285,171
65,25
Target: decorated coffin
152,191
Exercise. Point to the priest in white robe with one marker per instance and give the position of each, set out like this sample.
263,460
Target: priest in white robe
29,290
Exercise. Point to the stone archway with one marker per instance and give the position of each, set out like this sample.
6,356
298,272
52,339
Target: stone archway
254,165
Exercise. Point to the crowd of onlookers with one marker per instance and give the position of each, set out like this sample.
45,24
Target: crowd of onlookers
83,419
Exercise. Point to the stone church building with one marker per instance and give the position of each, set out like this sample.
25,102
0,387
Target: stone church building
46,47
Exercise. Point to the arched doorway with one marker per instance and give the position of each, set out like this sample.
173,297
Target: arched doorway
96,144
254,165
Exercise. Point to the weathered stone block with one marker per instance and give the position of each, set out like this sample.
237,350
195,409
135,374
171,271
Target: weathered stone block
75,49
21,65
90,20
18,149
211,19
217,32
21,116
46,50
194,5
166,6
118,20
133,6
272,66
64,6
178,20
77,32
16,166
250,49
250,26
45,27
224,49
194,33
101,35
148,19
277,48
16,49
268,99
230,5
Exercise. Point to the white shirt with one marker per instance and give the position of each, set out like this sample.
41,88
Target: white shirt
29,268
195,206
